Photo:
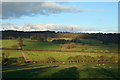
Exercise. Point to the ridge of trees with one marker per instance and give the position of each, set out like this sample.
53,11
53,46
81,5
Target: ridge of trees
43,35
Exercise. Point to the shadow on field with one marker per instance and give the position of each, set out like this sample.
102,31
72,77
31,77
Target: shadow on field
23,45
14,67
66,73
27,73
14,60
110,73
99,73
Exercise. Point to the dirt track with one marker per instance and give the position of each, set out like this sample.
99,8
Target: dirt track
57,50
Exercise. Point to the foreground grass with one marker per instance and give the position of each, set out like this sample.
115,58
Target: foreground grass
56,70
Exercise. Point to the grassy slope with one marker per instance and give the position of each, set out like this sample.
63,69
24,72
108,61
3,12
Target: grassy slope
59,71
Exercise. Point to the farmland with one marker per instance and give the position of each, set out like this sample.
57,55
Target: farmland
85,58
33,44
59,40
56,70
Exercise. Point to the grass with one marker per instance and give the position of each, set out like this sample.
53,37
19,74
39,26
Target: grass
59,56
58,70
40,45
13,54
75,71
34,44
9,43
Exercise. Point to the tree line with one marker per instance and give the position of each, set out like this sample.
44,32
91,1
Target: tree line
43,35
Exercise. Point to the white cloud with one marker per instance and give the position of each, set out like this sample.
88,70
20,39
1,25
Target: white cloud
111,31
18,9
6,24
51,27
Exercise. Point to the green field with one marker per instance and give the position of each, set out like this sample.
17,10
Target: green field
61,69
9,43
60,56
36,45
75,71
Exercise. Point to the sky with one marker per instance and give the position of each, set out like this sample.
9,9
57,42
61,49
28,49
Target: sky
61,16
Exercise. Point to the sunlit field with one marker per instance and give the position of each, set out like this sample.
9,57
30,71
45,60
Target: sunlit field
58,70
57,64
59,39
88,44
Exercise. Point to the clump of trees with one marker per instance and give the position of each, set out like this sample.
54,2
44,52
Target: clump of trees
76,39
40,37
20,42
68,46
60,41
89,59
21,60
50,60
33,37
5,59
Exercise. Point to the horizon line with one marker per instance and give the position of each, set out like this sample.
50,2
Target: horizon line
64,31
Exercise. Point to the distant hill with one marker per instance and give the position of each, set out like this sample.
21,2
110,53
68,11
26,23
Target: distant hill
105,37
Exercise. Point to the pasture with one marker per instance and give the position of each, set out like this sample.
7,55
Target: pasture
61,68
36,45
60,56
56,70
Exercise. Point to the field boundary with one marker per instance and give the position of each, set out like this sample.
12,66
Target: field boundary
58,50
27,59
